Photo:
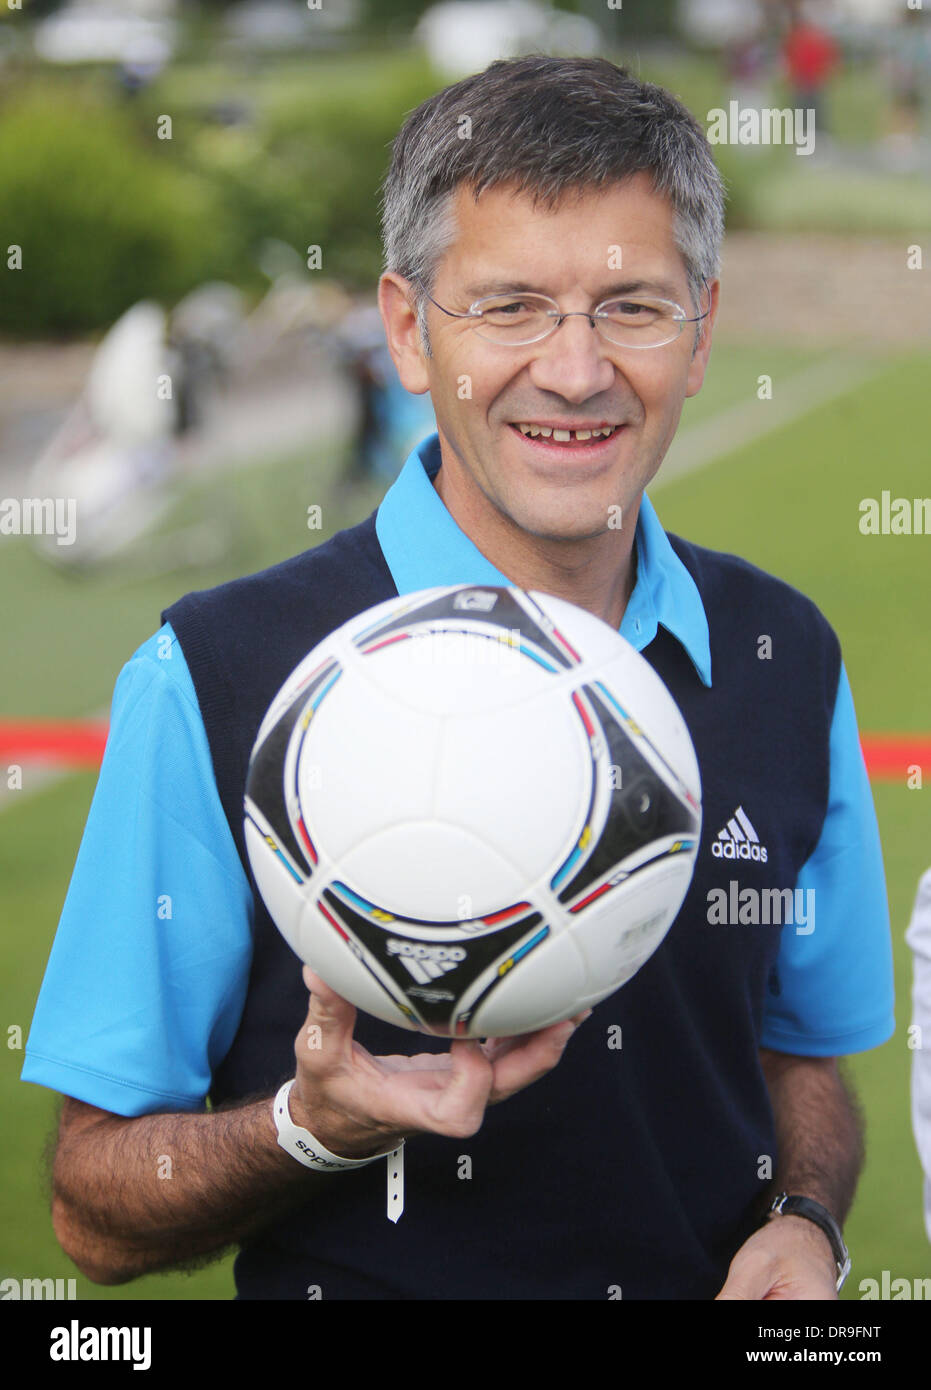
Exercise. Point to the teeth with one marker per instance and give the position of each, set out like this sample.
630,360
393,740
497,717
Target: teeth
564,436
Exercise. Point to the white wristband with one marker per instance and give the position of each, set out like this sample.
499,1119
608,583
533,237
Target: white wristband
302,1145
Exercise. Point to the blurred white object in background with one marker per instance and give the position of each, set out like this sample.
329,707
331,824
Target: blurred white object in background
86,32
115,451
282,25
123,384
712,23
464,36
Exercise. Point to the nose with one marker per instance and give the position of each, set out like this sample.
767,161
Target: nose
572,361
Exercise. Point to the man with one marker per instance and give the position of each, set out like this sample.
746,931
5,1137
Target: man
644,1171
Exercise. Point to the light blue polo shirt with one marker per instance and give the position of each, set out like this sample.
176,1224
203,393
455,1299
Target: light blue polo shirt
149,969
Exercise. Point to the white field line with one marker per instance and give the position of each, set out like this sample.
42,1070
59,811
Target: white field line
737,425
37,772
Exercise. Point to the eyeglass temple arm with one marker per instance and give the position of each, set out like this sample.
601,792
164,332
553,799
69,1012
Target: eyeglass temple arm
415,279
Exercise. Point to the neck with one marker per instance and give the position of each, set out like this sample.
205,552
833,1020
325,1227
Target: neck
596,573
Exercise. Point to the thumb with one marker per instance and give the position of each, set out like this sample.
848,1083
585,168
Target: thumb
746,1284
459,1107
330,1021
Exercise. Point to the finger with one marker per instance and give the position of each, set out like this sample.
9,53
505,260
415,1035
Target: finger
326,1037
458,1107
528,1059
494,1047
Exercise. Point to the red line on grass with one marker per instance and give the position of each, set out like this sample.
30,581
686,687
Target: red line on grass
81,743
889,756
70,742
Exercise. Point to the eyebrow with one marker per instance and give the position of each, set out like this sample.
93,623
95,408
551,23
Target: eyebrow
662,288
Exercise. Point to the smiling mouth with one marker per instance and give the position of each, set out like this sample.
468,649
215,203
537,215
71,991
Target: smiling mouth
581,438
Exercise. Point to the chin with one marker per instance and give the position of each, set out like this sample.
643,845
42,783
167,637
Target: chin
552,528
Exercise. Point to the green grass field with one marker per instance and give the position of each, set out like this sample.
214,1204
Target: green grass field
788,502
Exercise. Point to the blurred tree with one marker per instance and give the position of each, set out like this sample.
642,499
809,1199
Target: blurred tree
399,16
38,9
631,18
103,217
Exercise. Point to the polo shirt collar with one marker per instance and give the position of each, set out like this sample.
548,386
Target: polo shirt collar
424,547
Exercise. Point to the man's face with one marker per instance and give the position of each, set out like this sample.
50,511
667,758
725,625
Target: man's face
482,392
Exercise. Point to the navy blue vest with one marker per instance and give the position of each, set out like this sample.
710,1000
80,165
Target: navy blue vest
640,1168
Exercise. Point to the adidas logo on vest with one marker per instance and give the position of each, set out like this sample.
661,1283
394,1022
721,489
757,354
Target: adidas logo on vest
739,840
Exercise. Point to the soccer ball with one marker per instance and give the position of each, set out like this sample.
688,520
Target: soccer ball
473,811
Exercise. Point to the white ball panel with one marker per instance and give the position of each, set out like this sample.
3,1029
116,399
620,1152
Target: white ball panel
365,761
455,673
616,937
543,988
520,779
431,871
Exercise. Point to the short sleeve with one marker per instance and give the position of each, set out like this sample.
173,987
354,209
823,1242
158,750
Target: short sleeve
835,981
148,972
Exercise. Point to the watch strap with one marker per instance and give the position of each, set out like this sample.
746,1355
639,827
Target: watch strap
807,1207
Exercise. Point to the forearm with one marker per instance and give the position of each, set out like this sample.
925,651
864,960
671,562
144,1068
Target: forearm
819,1130
819,1137
133,1196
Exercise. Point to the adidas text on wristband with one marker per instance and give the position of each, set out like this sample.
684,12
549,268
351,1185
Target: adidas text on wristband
302,1145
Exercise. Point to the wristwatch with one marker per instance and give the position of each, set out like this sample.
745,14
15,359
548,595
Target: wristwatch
784,1205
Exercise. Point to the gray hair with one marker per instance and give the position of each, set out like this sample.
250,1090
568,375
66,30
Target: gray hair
546,125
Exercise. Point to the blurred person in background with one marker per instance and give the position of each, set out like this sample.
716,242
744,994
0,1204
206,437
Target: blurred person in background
748,62
810,59
390,420
907,69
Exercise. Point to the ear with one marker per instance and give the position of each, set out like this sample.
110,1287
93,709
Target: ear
700,356
399,315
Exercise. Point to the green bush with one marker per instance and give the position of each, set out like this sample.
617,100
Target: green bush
107,214
102,217
307,169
